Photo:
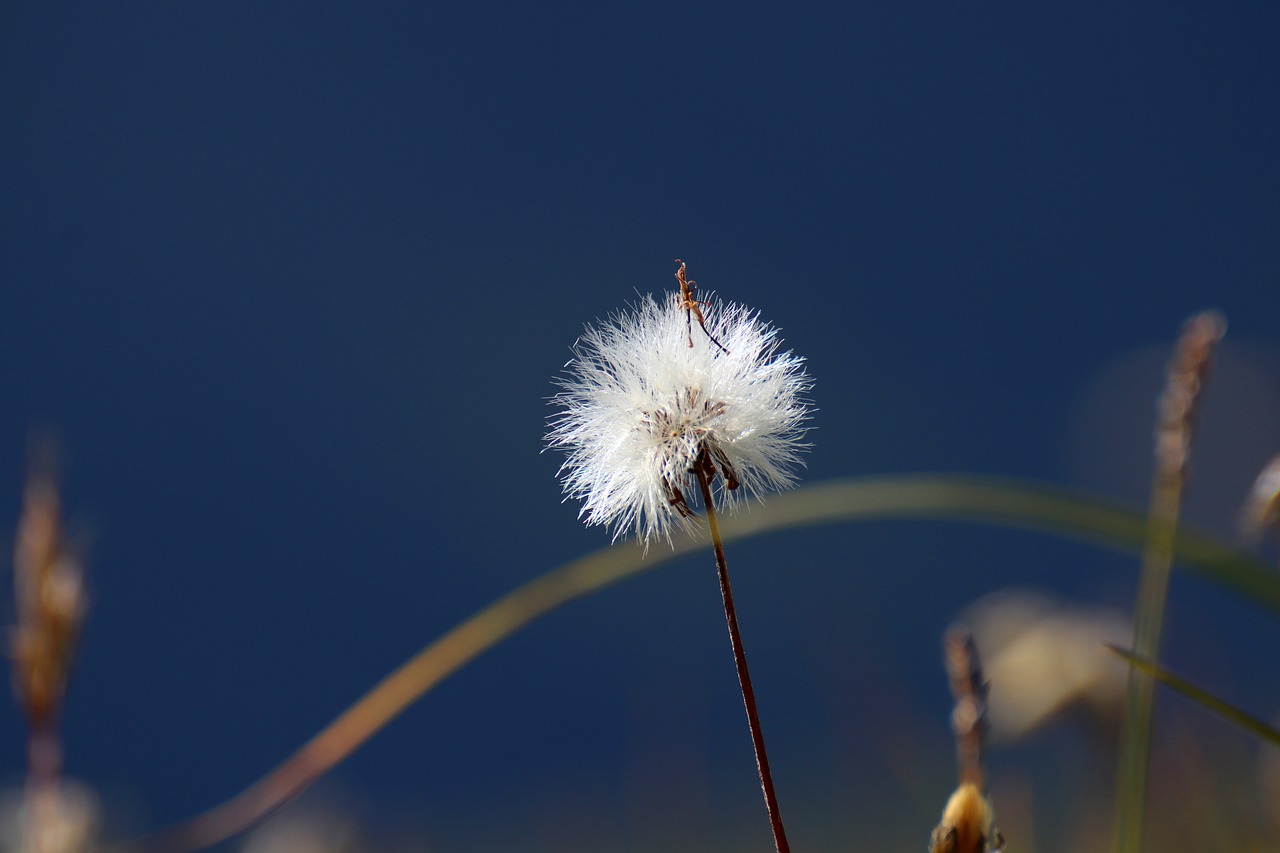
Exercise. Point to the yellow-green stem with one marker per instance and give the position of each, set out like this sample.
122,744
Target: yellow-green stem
1135,741
1179,401
956,498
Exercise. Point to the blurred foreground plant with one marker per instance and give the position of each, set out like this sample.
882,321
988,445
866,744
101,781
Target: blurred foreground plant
926,498
968,821
1188,370
49,591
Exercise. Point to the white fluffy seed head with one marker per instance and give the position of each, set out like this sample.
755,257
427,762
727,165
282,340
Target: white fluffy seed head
638,406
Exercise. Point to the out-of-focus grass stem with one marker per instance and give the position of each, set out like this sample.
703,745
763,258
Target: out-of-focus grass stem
1178,404
933,498
50,604
1254,725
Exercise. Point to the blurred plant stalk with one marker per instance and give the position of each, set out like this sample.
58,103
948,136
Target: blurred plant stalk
50,608
968,821
1179,403
976,500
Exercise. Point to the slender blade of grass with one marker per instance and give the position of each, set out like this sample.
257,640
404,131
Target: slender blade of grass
1007,503
1175,420
1199,695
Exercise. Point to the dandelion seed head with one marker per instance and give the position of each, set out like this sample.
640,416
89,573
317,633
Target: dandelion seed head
638,405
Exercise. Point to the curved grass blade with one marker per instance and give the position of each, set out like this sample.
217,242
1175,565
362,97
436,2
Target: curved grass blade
926,497
1230,713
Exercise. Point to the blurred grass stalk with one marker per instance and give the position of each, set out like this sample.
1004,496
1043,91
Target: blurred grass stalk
980,500
1241,719
50,604
1188,370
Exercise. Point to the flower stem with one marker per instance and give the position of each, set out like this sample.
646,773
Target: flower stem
1179,402
740,659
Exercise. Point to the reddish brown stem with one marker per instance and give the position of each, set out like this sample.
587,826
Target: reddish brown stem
740,659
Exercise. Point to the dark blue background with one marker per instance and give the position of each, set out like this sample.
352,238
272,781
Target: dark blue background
290,282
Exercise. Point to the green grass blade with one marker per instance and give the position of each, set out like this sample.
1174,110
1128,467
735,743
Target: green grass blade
1005,503
1221,707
